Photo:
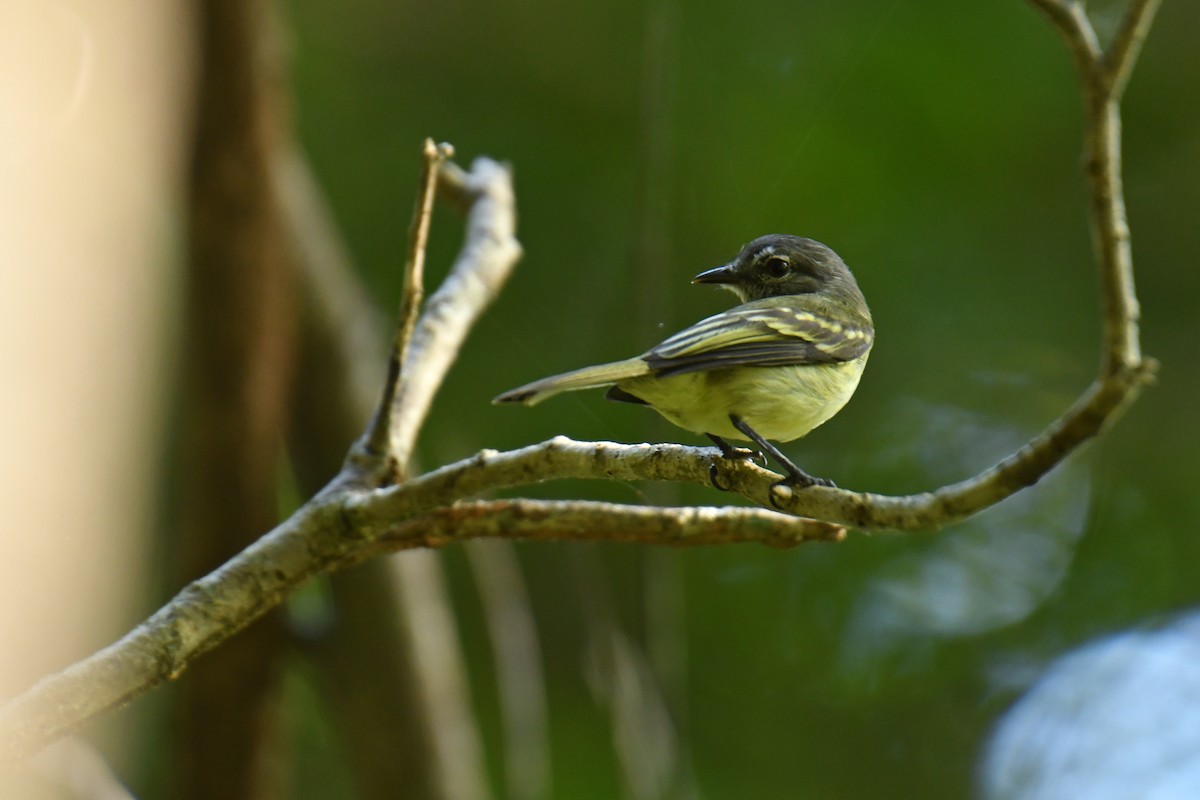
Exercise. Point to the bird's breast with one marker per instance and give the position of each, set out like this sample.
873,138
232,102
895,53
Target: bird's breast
780,403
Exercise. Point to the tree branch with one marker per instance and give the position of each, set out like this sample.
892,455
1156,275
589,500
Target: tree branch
207,612
384,426
483,265
413,292
1102,78
1126,45
582,520
561,458
1069,18
219,605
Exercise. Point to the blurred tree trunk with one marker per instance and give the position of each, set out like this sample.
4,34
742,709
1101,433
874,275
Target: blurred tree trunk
247,236
239,333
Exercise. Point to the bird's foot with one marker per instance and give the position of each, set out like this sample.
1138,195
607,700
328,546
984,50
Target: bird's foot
737,453
732,453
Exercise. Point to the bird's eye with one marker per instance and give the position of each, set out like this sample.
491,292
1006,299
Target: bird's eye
777,267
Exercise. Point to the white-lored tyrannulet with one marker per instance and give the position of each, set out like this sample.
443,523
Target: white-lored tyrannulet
775,367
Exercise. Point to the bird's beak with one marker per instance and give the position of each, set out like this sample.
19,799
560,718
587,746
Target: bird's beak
722,274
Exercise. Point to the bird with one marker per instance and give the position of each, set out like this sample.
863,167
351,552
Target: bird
775,367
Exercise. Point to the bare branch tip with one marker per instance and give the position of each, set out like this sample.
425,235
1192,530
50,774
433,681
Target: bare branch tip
819,531
1148,370
436,152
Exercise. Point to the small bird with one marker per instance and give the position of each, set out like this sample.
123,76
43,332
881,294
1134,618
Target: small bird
775,367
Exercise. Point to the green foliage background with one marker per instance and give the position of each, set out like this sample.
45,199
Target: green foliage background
936,146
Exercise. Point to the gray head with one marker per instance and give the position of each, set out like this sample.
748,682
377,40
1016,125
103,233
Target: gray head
778,264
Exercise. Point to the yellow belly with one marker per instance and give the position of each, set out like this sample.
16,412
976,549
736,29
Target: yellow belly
780,403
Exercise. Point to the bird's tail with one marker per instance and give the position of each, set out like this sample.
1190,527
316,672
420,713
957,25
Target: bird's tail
587,378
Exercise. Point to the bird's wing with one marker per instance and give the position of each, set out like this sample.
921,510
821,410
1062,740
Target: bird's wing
754,335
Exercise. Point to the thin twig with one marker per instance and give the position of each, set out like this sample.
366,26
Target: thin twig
1123,51
1102,78
1069,18
488,256
413,291
383,425
581,520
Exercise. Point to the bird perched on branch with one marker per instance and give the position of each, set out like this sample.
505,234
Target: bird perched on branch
775,367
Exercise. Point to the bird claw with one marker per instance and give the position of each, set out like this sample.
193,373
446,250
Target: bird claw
746,454
712,478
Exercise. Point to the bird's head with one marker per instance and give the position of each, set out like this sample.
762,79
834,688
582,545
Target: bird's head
779,264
